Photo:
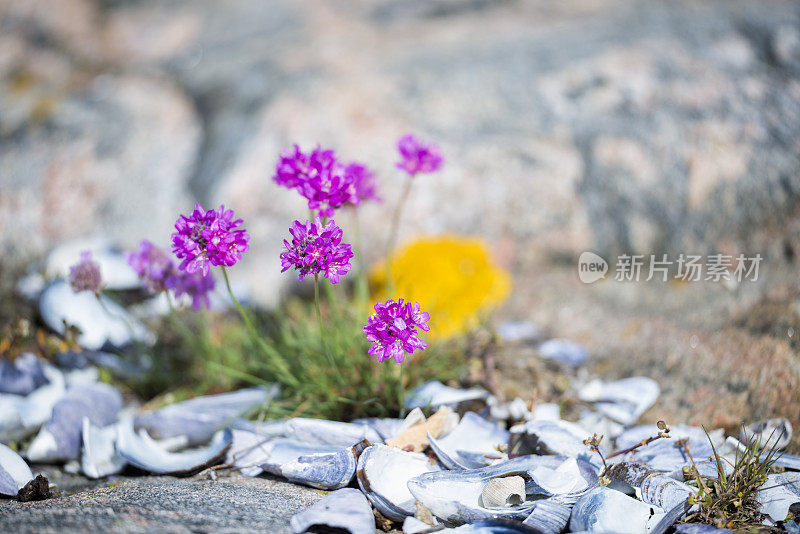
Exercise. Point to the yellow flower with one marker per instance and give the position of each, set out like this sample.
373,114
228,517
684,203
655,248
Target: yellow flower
453,278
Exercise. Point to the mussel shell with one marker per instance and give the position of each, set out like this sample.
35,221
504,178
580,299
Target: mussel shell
145,453
606,510
331,470
99,457
623,400
61,437
14,472
781,491
654,487
454,496
434,394
346,509
199,418
554,437
384,475
323,432
21,376
549,517
769,434
474,435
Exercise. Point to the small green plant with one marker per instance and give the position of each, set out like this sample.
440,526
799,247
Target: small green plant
729,500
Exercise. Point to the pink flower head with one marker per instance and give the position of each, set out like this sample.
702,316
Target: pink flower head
318,176
196,284
207,238
363,182
316,249
152,264
418,157
392,330
85,275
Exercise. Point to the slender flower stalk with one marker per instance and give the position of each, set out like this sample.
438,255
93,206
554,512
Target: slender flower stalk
416,157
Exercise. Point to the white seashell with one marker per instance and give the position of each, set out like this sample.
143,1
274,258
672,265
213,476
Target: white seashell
781,490
248,451
145,453
607,510
555,437
547,411
505,491
322,432
434,394
566,479
789,461
199,418
475,435
345,509
383,475
99,457
564,351
14,472
769,434
624,400
99,323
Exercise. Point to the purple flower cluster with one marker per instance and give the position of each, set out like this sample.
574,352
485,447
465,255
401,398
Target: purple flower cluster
197,285
153,265
207,238
323,180
85,275
418,157
392,330
157,272
317,249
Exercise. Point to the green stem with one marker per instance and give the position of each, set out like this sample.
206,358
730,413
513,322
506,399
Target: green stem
402,392
118,317
362,284
321,329
393,232
270,352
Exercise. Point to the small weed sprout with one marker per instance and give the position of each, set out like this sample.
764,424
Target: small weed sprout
729,500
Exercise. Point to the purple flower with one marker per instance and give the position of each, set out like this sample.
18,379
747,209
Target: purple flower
363,182
319,177
392,330
207,238
316,249
85,275
418,157
196,284
152,264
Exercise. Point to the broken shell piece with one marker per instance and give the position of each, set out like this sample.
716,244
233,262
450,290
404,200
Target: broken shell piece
248,450
331,469
505,491
199,418
549,517
607,510
654,487
624,400
415,438
345,509
789,461
14,472
323,432
769,434
564,351
21,376
693,528
383,475
22,416
434,394
388,428
455,496
60,438
555,437
494,526
99,323
669,454
475,435
100,457
781,490
565,480
145,453
547,411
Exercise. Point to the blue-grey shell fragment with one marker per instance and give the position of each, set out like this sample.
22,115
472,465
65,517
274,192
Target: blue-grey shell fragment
345,509
60,438
14,472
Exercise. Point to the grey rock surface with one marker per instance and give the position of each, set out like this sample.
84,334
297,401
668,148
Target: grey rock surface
232,503
612,124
